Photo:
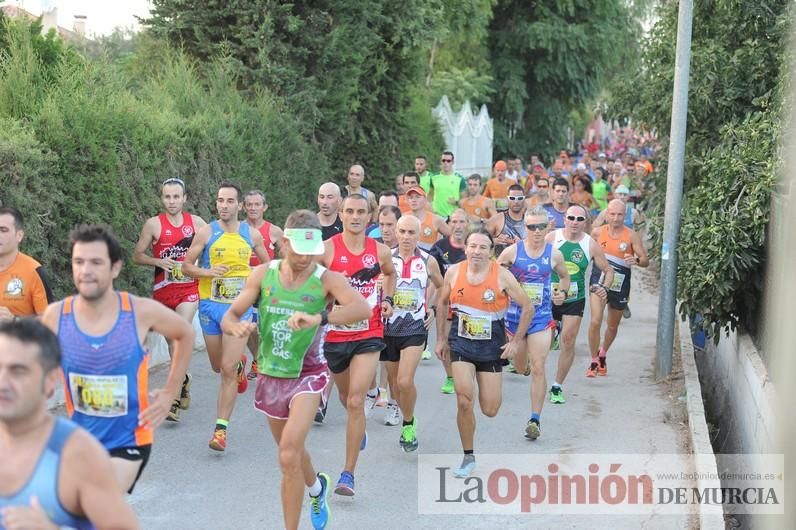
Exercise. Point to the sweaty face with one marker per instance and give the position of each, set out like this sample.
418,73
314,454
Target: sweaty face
92,270
227,204
500,173
354,215
23,385
254,207
615,215
516,200
10,237
575,219
173,198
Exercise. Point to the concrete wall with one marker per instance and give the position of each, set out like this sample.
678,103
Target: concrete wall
739,396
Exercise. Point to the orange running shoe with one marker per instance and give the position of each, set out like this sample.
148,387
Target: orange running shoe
219,440
603,368
252,371
243,383
592,370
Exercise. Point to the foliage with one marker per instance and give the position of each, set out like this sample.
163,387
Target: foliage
735,99
462,85
548,57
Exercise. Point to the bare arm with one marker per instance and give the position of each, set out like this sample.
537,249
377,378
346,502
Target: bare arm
276,238
599,260
352,306
231,323
189,266
258,246
198,222
563,277
388,279
443,308
493,226
600,219
511,286
441,226
507,257
149,233
642,259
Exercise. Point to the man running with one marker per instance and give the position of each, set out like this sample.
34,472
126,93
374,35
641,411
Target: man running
432,226
24,287
578,249
559,203
479,209
105,366
532,261
52,473
293,295
328,209
405,333
508,228
623,249
168,236
356,174
352,350
448,252
478,291
497,188
225,248
255,206
446,188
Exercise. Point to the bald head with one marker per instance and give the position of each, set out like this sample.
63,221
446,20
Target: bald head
329,188
615,214
407,232
356,174
409,222
617,205
328,199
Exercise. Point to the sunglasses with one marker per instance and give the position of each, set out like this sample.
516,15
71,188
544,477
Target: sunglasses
578,218
537,227
446,160
516,197
542,187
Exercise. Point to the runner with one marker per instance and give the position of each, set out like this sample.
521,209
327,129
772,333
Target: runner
578,249
406,331
634,219
478,291
558,206
542,195
446,188
293,294
623,249
168,236
24,287
479,209
388,219
509,228
255,206
328,209
422,172
409,180
225,248
352,350
356,174
532,261
432,225
52,473
497,188
447,252
104,363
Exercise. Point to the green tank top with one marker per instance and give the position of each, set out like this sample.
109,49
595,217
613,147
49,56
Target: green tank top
446,187
282,350
576,260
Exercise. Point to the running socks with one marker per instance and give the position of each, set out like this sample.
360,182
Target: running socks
222,424
469,458
535,417
409,422
373,392
601,356
316,488
556,384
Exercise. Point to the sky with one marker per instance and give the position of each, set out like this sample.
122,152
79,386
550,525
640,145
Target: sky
102,15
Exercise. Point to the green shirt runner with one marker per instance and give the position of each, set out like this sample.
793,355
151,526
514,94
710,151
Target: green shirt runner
576,260
446,187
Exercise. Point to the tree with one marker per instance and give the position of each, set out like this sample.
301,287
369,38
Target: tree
549,57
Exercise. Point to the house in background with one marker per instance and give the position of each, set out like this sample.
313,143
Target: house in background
49,20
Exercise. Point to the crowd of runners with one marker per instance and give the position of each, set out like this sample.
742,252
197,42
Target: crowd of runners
336,301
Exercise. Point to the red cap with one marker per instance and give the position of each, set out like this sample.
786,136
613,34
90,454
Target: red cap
416,189
500,165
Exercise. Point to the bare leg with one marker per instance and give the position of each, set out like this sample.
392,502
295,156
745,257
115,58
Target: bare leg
569,332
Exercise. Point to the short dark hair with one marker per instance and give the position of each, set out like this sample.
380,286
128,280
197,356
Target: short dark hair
302,219
484,232
19,221
31,331
516,187
410,174
561,181
391,209
235,187
449,153
475,176
389,193
90,233
358,197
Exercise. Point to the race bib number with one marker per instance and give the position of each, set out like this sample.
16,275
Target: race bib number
175,275
619,281
534,291
407,299
475,327
362,325
104,396
225,290
573,289
501,204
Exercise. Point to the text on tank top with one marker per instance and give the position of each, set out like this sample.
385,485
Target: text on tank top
534,276
232,250
576,259
477,307
173,242
106,378
362,272
409,300
615,250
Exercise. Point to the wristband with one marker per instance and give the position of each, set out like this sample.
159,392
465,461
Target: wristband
389,300
324,317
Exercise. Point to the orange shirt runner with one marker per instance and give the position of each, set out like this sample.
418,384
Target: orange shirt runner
24,288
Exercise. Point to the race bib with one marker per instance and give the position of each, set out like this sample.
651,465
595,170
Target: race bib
362,325
501,204
573,289
534,291
407,299
619,281
475,327
104,396
175,275
225,290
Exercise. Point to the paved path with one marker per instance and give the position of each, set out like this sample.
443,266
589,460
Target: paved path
188,486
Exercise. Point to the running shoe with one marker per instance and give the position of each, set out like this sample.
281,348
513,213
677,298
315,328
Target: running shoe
252,371
626,313
447,387
381,401
364,442
426,355
219,440
392,416
466,469
174,411
321,414
557,395
243,383
533,430
319,507
370,404
185,392
408,440
602,369
345,486
592,370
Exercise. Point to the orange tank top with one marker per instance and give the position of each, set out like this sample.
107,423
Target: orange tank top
428,232
615,249
477,209
484,299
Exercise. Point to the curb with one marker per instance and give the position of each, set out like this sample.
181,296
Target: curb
710,516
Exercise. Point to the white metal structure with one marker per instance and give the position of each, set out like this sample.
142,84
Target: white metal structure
468,136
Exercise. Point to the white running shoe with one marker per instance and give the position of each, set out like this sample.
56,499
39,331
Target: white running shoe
370,404
392,416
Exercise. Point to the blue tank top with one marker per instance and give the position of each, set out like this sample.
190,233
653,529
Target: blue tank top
534,277
555,215
106,377
43,482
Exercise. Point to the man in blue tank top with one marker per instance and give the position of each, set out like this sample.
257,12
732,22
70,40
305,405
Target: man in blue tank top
52,473
532,261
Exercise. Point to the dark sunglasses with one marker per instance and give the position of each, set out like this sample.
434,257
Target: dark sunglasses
578,218
446,160
537,227
516,197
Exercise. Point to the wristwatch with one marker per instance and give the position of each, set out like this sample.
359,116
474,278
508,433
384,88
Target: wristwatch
324,317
